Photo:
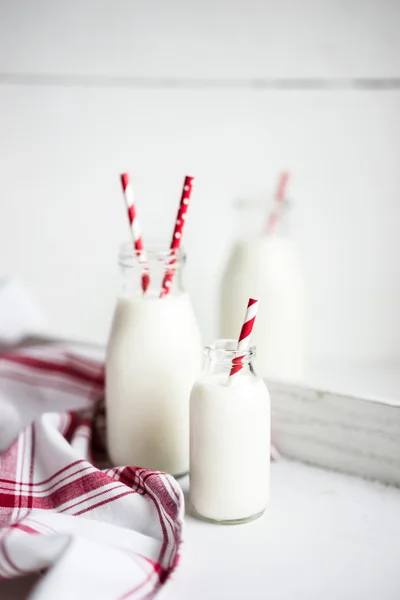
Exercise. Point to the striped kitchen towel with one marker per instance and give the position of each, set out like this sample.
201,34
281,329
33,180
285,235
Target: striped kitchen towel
91,532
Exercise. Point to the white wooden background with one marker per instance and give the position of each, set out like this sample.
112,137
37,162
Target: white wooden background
84,95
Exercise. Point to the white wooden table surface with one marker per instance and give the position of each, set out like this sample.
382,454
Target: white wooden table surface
325,535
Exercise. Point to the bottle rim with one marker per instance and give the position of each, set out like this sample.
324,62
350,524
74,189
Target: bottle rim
153,252
226,349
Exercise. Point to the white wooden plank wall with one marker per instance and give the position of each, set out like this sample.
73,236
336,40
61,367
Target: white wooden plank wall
64,139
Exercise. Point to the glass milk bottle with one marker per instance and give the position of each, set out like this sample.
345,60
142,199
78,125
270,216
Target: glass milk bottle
229,438
267,266
153,358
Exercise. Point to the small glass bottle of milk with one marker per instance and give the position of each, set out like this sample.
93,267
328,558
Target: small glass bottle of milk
229,438
267,266
153,359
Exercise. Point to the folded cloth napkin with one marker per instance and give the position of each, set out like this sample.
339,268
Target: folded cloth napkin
109,533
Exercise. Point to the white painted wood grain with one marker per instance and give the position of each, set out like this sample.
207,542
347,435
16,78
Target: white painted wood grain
62,214
181,38
347,433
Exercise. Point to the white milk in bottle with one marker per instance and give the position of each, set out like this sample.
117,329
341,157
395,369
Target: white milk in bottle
153,358
229,438
268,267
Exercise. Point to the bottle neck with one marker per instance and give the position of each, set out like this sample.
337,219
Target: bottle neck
221,355
278,221
153,272
259,218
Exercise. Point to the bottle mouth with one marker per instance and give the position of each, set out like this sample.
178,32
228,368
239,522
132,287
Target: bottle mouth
152,252
259,203
226,349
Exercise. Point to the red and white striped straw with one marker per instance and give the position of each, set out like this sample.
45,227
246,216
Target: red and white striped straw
244,337
177,234
135,227
280,196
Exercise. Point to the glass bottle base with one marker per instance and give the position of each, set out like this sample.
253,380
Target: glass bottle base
180,475
226,521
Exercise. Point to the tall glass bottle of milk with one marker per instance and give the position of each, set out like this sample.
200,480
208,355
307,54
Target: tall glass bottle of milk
266,265
153,359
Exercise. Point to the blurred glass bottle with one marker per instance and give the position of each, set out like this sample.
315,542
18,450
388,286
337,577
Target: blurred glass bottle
264,263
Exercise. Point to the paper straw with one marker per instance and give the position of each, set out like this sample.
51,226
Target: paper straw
177,234
279,199
282,186
135,227
244,337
